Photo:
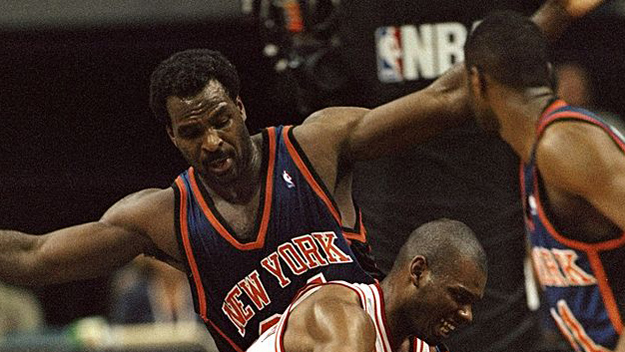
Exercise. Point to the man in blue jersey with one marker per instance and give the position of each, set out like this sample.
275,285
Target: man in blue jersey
255,217
572,179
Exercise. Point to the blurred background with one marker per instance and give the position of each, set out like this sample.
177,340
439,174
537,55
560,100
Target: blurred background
76,132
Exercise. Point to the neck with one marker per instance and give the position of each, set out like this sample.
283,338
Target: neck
518,114
393,310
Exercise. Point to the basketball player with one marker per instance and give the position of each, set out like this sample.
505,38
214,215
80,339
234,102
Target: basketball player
572,179
255,217
439,273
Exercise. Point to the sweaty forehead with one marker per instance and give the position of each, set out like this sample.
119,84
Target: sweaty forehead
208,98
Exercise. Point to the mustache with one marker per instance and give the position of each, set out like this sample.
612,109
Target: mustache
218,155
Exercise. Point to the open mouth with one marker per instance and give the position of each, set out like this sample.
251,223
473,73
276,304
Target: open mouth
446,327
220,165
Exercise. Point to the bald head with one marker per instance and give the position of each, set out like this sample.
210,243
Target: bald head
442,242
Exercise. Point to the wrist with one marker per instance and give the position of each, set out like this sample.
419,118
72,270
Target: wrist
553,19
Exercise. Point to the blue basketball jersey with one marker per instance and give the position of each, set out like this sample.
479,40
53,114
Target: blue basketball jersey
240,289
584,295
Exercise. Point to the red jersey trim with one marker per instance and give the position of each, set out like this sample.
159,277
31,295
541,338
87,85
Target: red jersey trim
383,323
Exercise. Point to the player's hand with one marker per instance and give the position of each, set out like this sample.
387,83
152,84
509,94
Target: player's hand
579,8
554,16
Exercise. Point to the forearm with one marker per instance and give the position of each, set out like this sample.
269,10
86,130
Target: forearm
554,16
553,19
413,119
74,253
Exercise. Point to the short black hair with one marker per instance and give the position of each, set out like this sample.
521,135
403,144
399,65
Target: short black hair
510,48
442,242
185,74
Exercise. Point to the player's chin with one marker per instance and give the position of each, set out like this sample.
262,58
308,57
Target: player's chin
437,334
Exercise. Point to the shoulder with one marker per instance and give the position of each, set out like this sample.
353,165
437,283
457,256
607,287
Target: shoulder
329,124
143,210
331,318
341,305
576,154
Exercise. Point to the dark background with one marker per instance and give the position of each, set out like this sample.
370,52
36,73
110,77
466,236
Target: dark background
76,132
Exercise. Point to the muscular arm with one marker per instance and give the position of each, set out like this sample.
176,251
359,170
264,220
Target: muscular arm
330,320
359,134
82,251
580,159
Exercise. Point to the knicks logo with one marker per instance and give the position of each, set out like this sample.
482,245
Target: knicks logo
409,53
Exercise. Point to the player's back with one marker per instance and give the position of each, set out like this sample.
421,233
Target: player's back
584,290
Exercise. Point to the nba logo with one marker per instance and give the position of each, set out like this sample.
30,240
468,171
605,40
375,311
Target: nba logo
288,179
389,54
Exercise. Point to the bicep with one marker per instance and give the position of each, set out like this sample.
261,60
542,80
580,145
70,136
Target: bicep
94,249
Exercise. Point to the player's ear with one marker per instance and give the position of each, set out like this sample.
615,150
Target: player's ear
241,108
419,270
170,133
477,81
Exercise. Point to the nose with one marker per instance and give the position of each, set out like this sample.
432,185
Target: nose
466,313
212,141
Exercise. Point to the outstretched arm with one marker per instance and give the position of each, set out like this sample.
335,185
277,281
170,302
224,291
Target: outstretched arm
82,251
422,115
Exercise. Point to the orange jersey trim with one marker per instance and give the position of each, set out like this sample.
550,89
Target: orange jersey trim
587,247
264,223
360,236
557,104
578,116
308,175
606,291
189,251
